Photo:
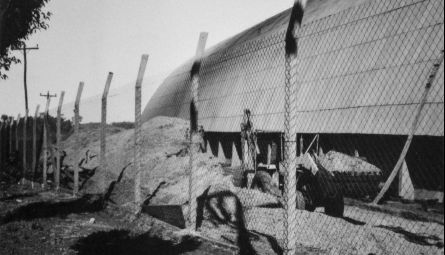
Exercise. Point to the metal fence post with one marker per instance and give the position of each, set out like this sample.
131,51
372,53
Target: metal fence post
103,126
58,140
34,145
137,130
77,138
194,135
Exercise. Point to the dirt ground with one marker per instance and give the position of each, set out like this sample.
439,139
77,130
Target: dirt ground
165,161
115,230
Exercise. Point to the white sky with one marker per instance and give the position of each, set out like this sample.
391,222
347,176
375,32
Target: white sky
88,38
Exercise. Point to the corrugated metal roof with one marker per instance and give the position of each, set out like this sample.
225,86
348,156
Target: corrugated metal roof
360,70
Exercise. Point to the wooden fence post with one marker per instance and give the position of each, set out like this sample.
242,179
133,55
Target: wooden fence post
45,143
1,142
11,124
17,122
103,126
58,140
17,153
25,137
137,130
34,145
194,134
77,137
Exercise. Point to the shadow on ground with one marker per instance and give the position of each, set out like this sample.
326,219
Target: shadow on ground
426,240
123,242
87,203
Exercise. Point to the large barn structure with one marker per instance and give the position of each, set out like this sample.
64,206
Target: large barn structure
362,69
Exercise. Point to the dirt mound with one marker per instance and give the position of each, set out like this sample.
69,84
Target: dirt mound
163,142
339,162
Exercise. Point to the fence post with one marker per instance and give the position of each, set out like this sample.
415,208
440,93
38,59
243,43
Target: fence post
17,135
413,129
17,154
58,140
45,143
34,145
194,135
137,130
103,126
290,132
1,142
11,124
77,139
25,137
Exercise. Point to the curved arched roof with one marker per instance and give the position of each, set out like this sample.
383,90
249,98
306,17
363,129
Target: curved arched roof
362,66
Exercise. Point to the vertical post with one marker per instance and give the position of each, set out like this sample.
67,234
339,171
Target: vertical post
194,135
290,132
1,142
34,145
17,122
11,124
58,140
25,140
77,138
137,130
103,125
17,153
45,143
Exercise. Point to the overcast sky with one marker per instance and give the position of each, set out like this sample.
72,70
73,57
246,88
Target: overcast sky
88,38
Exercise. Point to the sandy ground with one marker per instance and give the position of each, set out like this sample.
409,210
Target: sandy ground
165,159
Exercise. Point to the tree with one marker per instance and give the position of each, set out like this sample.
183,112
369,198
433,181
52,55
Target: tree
18,20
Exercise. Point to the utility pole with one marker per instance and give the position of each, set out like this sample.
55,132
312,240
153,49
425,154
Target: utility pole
25,69
45,135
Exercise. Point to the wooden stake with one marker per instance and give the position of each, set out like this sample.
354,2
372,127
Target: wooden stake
77,137
103,126
58,140
137,130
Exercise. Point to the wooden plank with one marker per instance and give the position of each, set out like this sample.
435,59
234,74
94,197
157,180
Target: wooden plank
137,130
413,129
77,138
103,126
58,141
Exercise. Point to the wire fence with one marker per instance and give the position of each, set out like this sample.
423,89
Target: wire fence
349,131
335,148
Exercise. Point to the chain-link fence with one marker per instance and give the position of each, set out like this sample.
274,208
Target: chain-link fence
338,147
334,145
